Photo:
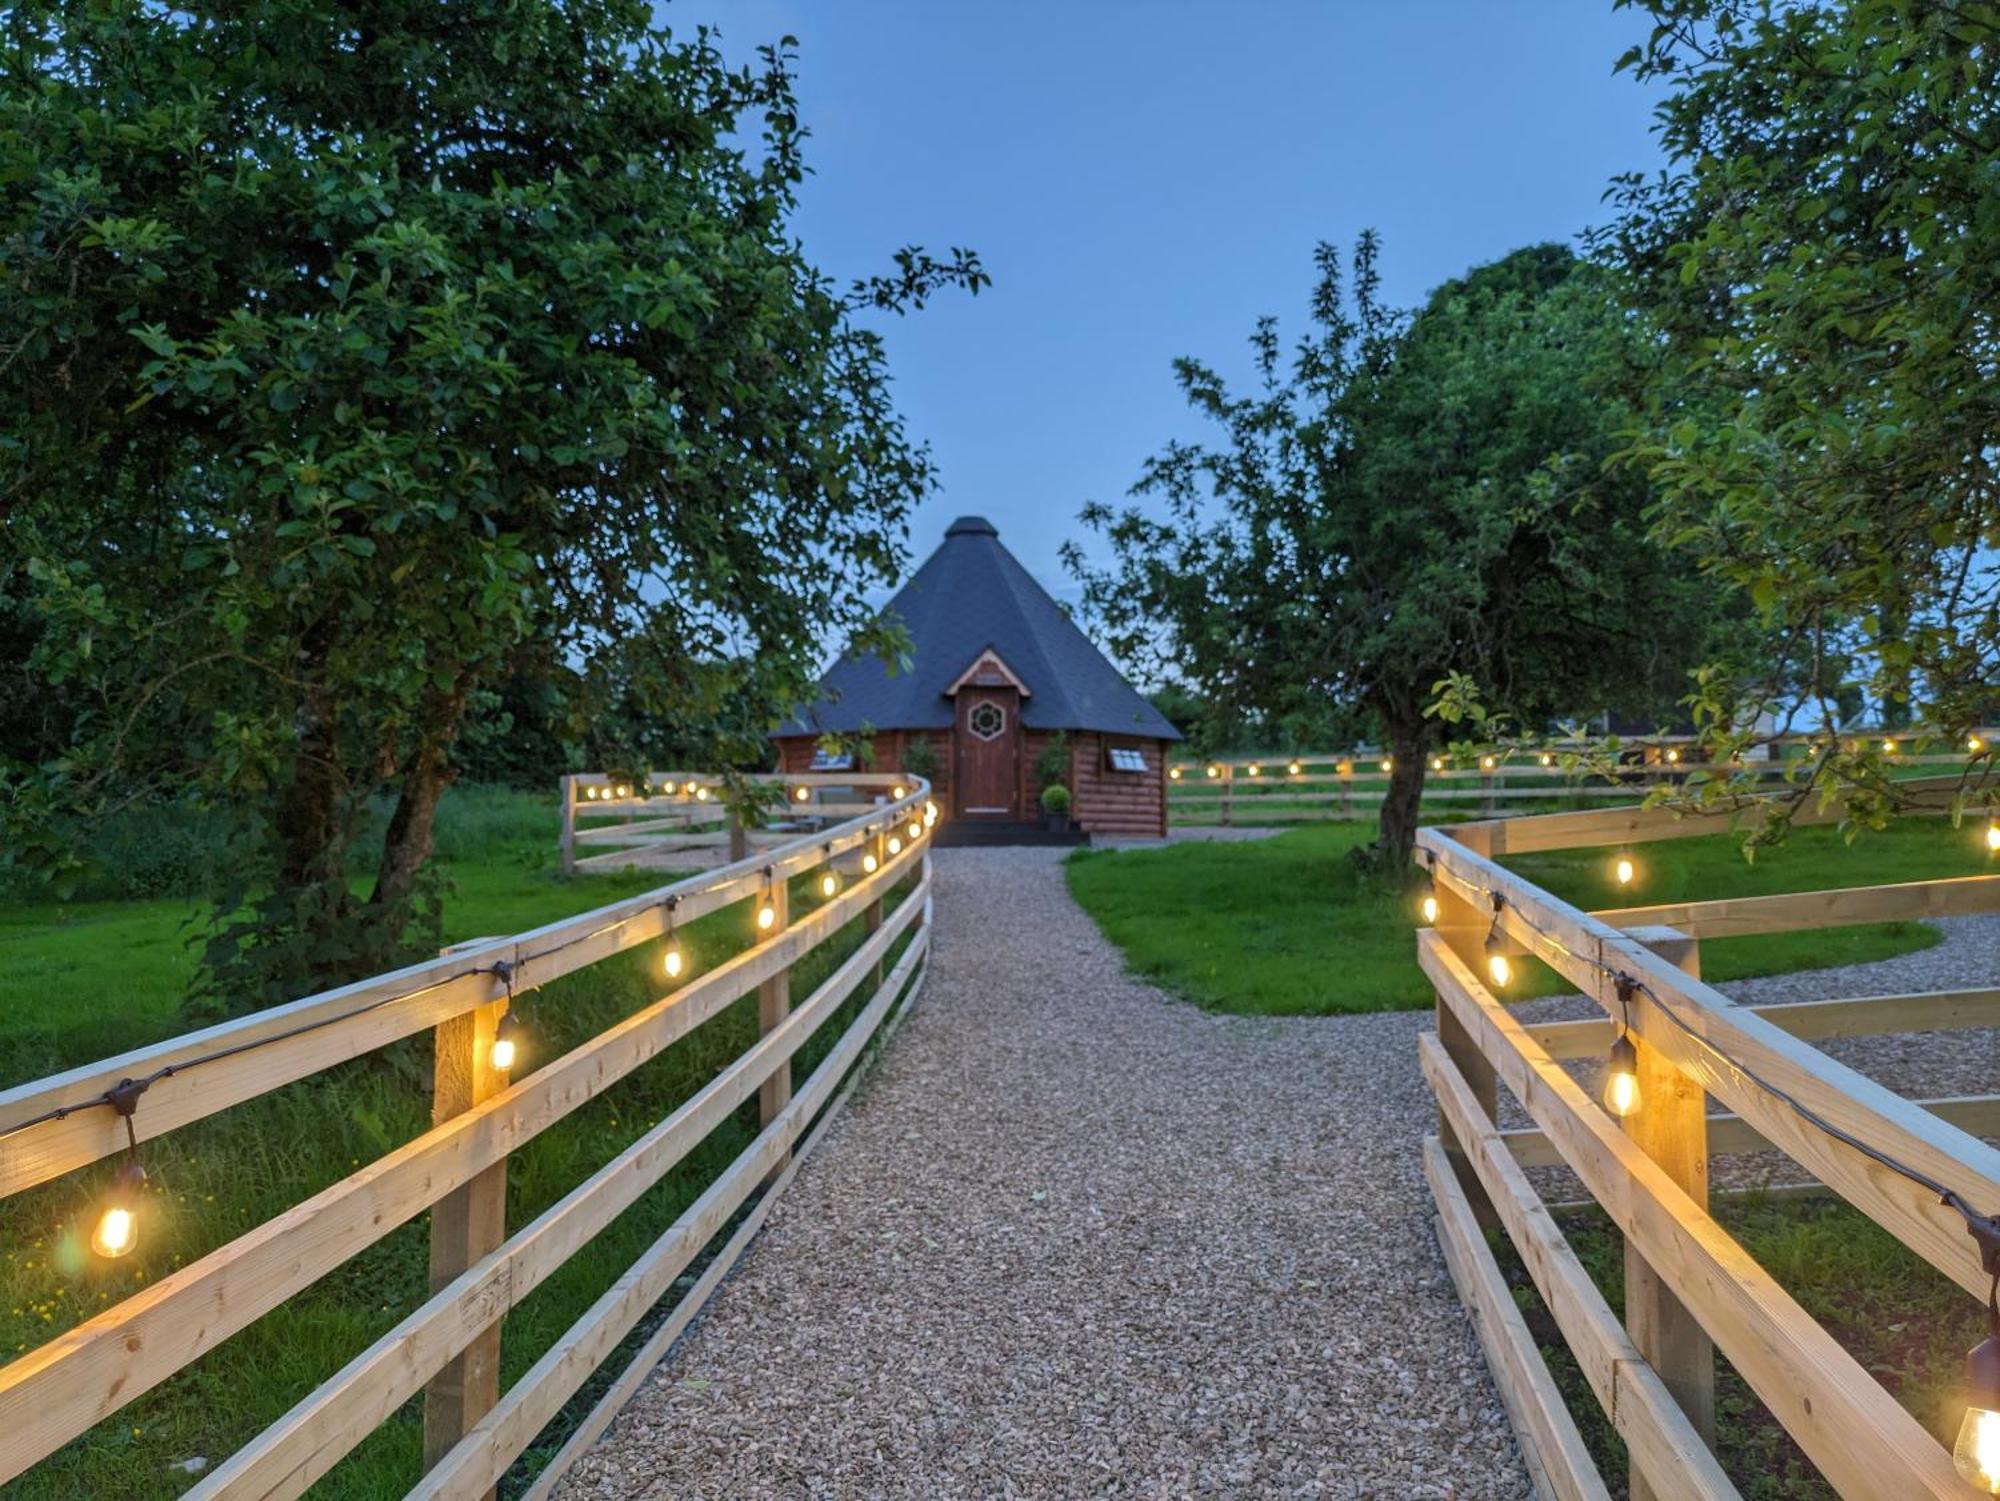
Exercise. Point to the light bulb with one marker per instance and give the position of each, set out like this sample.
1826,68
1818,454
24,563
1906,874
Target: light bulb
1499,969
1175,774
1388,764
767,914
1430,907
1623,870
1215,771
897,791
869,862
1673,756
591,793
117,1229
895,845
1346,768
829,884
801,794
624,791
1974,744
1487,763
1993,836
1547,759
916,832
1976,1455
1888,747
673,963
503,1053
506,1042
930,814
1295,768
1255,768
1621,1078
701,794
1437,763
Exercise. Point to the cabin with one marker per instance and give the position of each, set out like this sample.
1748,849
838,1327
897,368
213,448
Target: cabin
999,671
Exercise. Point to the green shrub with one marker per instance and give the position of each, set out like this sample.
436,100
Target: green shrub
1055,798
1052,765
920,759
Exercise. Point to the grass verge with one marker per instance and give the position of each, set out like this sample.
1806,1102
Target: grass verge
1289,926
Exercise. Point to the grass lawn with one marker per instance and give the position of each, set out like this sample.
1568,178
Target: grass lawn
80,981
1287,926
1903,1321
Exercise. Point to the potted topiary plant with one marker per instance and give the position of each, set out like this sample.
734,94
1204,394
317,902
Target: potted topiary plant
1055,808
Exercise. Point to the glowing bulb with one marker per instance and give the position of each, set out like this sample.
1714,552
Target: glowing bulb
1499,969
801,794
869,862
930,814
624,791
1888,747
1388,763
674,963
829,884
916,832
1993,836
1346,768
895,845
1175,773
1487,763
897,791
1215,771
1974,744
767,915
701,794
1295,768
1976,1455
1437,763
1621,1078
506,1043
1547,759
1255,768
591,793
1673,756
1430,907
1623,870
116,1233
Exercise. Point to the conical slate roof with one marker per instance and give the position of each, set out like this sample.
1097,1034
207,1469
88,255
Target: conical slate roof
972,596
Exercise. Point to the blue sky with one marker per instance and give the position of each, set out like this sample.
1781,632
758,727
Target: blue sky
1143,180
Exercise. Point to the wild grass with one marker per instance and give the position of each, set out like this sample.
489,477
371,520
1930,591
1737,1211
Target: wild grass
84,980
1290,926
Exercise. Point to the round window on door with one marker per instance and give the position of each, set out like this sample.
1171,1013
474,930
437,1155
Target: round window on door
987,720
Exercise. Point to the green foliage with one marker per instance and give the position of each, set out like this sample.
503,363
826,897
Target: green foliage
1402,498
1822,258
357,368
920,759
1051,766
1055,799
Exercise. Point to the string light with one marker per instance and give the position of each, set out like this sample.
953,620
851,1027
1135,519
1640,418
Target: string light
930,812
590,793
767,909
1888,747
1255,768
1993,836
1487,763
1428,905
673,962
1295,768
506,1041
117,1228
895,845
1976,1455
829,883
701,794
625,790
1621,1070
1499,968
897,792
1388,763
1215,771
1673,756
916,831
1623,870
1175,774
800,794
1346,768
869,863
1974,744
1437,763
1547,759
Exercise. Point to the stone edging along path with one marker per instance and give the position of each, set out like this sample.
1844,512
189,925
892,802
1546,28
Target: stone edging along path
1076,1238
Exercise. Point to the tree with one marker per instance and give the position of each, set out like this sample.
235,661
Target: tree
1406,501
349,351
1822,256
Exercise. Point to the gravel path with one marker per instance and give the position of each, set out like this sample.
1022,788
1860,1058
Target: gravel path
1074,1238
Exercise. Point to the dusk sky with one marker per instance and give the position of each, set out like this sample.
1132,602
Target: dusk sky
1143,180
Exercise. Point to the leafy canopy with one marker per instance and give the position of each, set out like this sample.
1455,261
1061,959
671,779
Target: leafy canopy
357,357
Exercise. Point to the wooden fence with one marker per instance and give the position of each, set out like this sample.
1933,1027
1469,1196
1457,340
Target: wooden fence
1691,1289
668,812
1318,785
448,1348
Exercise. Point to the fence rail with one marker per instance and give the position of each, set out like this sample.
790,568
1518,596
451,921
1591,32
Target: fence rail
447,1348
1351,784
1691,1288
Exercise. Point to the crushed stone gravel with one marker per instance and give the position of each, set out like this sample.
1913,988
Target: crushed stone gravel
1076,1238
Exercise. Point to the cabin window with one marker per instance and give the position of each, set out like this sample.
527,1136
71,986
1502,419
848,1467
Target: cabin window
987,720
1126,758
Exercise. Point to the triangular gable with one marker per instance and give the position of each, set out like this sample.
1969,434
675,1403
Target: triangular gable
988,671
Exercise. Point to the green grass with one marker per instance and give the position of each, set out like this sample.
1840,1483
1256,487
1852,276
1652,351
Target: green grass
1906,1324
1288,926
81,981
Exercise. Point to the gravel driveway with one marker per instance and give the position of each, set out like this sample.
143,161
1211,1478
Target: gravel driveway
1074,1238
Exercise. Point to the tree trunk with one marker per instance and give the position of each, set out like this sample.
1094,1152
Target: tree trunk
407,845
1396,836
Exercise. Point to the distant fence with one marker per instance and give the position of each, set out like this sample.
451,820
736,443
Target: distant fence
448,1349
680,811
1321,785
1690,1288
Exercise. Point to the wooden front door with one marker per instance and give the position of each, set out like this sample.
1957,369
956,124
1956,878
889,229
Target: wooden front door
986,747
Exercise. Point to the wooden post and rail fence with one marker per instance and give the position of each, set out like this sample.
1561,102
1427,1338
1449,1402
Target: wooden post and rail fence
448,1349
1319,785
1690,1288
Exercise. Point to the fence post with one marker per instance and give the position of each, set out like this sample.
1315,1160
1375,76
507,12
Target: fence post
878,847
774,1004
1671,1127
466,1224
1488,804
1228,785
739,837
569,824
1464,927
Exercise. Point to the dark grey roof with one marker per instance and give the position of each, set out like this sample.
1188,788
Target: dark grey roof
971,596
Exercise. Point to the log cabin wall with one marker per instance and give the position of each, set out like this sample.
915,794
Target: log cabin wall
1132,804
795,753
